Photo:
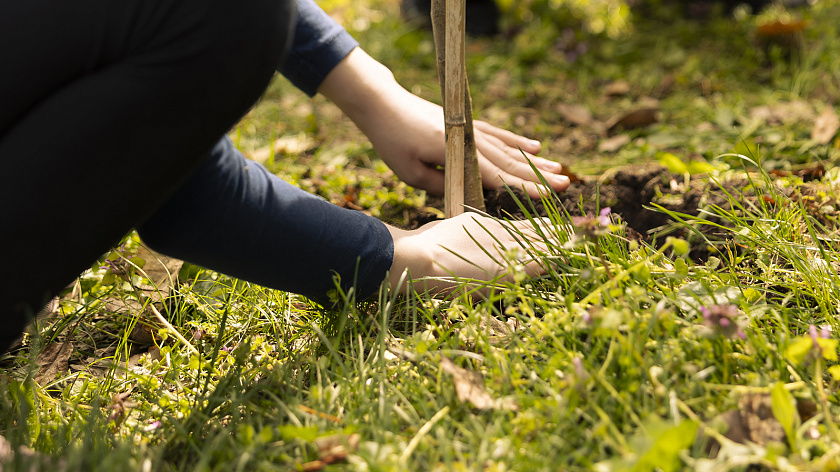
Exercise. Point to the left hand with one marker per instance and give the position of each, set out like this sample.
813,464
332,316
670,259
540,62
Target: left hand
439,256
408,132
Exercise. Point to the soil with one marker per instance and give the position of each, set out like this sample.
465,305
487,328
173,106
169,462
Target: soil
632,192
629,192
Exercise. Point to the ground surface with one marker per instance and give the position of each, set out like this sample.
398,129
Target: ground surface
695,331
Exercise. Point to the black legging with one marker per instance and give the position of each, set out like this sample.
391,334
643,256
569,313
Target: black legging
105,109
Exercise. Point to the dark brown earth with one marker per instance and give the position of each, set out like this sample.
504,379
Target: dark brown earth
633,192
630,193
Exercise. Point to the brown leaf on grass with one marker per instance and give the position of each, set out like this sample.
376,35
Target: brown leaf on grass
162,272
52,360
614,143
784,112
781,28
332,449
145,328
469,386
638,118
753,421
295,144
826,126
617,88
574,113
6,451
571,175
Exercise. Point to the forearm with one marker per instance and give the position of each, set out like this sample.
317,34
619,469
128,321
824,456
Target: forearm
235,217
364,89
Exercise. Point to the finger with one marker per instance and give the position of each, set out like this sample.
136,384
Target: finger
494,159
493,178
497,150
428,178
509,138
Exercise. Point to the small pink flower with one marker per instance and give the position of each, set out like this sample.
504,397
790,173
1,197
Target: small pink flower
152,426
823,333
720,319
604,217
590,227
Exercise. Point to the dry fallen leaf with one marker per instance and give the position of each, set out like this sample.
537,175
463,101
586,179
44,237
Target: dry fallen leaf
617,88
52,360
781,27
161,270
469,386
826,126
145,328
614,143
638,118
754,421
6,452
295,144
784,112
575,114
332,449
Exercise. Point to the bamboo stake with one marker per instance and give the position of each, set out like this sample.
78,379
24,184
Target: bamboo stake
473,186
463,179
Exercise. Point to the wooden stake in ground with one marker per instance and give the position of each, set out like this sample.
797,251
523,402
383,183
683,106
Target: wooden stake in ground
463,179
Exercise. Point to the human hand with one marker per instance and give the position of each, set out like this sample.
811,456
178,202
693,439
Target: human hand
439,256
412,142
408,132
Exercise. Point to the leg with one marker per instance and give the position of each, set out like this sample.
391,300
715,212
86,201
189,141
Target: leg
107,108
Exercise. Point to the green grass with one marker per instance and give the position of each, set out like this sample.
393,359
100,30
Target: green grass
605,363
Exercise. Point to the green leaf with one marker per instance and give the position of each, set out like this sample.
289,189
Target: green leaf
798,351
266,435
747,148
751,295
664,455
700,167
673,163
680,268
245,434
109,278
785,411
679,245
829,348
305,433
138,261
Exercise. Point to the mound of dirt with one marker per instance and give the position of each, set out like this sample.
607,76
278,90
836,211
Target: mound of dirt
630,193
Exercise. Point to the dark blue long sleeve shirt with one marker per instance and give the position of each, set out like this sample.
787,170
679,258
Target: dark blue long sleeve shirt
319,44
236,217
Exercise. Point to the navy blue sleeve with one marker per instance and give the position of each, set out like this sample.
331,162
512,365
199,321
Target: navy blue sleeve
235,217
319,44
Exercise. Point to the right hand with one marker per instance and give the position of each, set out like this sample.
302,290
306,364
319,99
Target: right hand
437,254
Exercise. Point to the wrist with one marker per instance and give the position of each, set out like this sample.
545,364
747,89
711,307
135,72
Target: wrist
412,260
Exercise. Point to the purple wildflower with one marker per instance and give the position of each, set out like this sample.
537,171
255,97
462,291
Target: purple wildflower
590,227
824,333
570,46
720,319
152,426
580,371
